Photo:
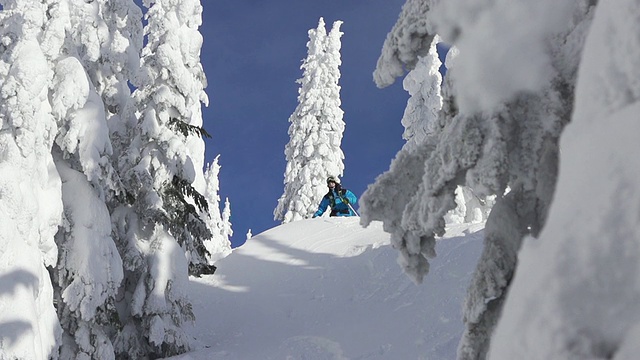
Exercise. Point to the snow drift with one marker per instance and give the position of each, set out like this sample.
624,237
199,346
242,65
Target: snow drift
327,288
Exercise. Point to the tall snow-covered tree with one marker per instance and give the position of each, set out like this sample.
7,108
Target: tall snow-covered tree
497,133
87,253
91,54
113,206
30,188
313,152
160,227
227,230
219,245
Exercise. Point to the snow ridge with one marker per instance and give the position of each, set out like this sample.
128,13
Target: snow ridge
326,288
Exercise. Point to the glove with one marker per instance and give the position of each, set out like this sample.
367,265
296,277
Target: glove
346,201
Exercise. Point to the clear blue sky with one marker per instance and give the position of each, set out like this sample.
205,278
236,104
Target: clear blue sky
251,55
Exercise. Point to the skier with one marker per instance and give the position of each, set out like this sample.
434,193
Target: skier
340,200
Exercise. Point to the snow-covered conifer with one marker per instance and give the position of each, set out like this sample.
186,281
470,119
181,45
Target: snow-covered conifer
313,152
107,35
227,230
89,272
219,245
491,139
30,195
161,226
112,176
87,252
581,304
423,85
91,60
404,44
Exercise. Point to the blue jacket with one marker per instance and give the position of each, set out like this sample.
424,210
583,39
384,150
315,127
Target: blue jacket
336,199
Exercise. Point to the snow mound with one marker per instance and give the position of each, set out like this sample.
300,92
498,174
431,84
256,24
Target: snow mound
326,288
333,236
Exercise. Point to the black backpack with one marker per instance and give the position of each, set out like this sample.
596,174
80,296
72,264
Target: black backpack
332,201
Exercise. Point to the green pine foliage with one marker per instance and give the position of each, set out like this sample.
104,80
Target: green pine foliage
185,224
187,129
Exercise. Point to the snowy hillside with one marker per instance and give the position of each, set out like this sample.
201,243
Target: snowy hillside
327,288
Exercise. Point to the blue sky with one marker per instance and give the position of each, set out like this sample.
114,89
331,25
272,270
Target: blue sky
251,55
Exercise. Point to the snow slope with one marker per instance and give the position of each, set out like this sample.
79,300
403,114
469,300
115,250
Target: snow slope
327,288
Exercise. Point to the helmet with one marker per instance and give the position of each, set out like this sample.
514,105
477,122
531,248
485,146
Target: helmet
332,179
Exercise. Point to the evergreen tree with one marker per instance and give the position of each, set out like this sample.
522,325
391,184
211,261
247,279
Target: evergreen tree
423,85
577,281
86,290
89,89
504,140
30,195
313,152
89,270
161,222
116,178
219,245
227,230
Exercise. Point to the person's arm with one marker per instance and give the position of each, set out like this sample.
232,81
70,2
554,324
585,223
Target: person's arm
324,204
351,197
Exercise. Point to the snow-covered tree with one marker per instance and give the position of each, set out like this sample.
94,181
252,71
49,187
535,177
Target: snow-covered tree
100,186
423,85
161,222
227,230
497,133
107,35
219,245
83,58
87,253
313,152
575,292
89,271
30,188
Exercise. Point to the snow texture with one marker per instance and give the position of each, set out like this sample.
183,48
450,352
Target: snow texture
409,39
327,288
85,168
583,304
423,84
89,270
478,29
30,195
